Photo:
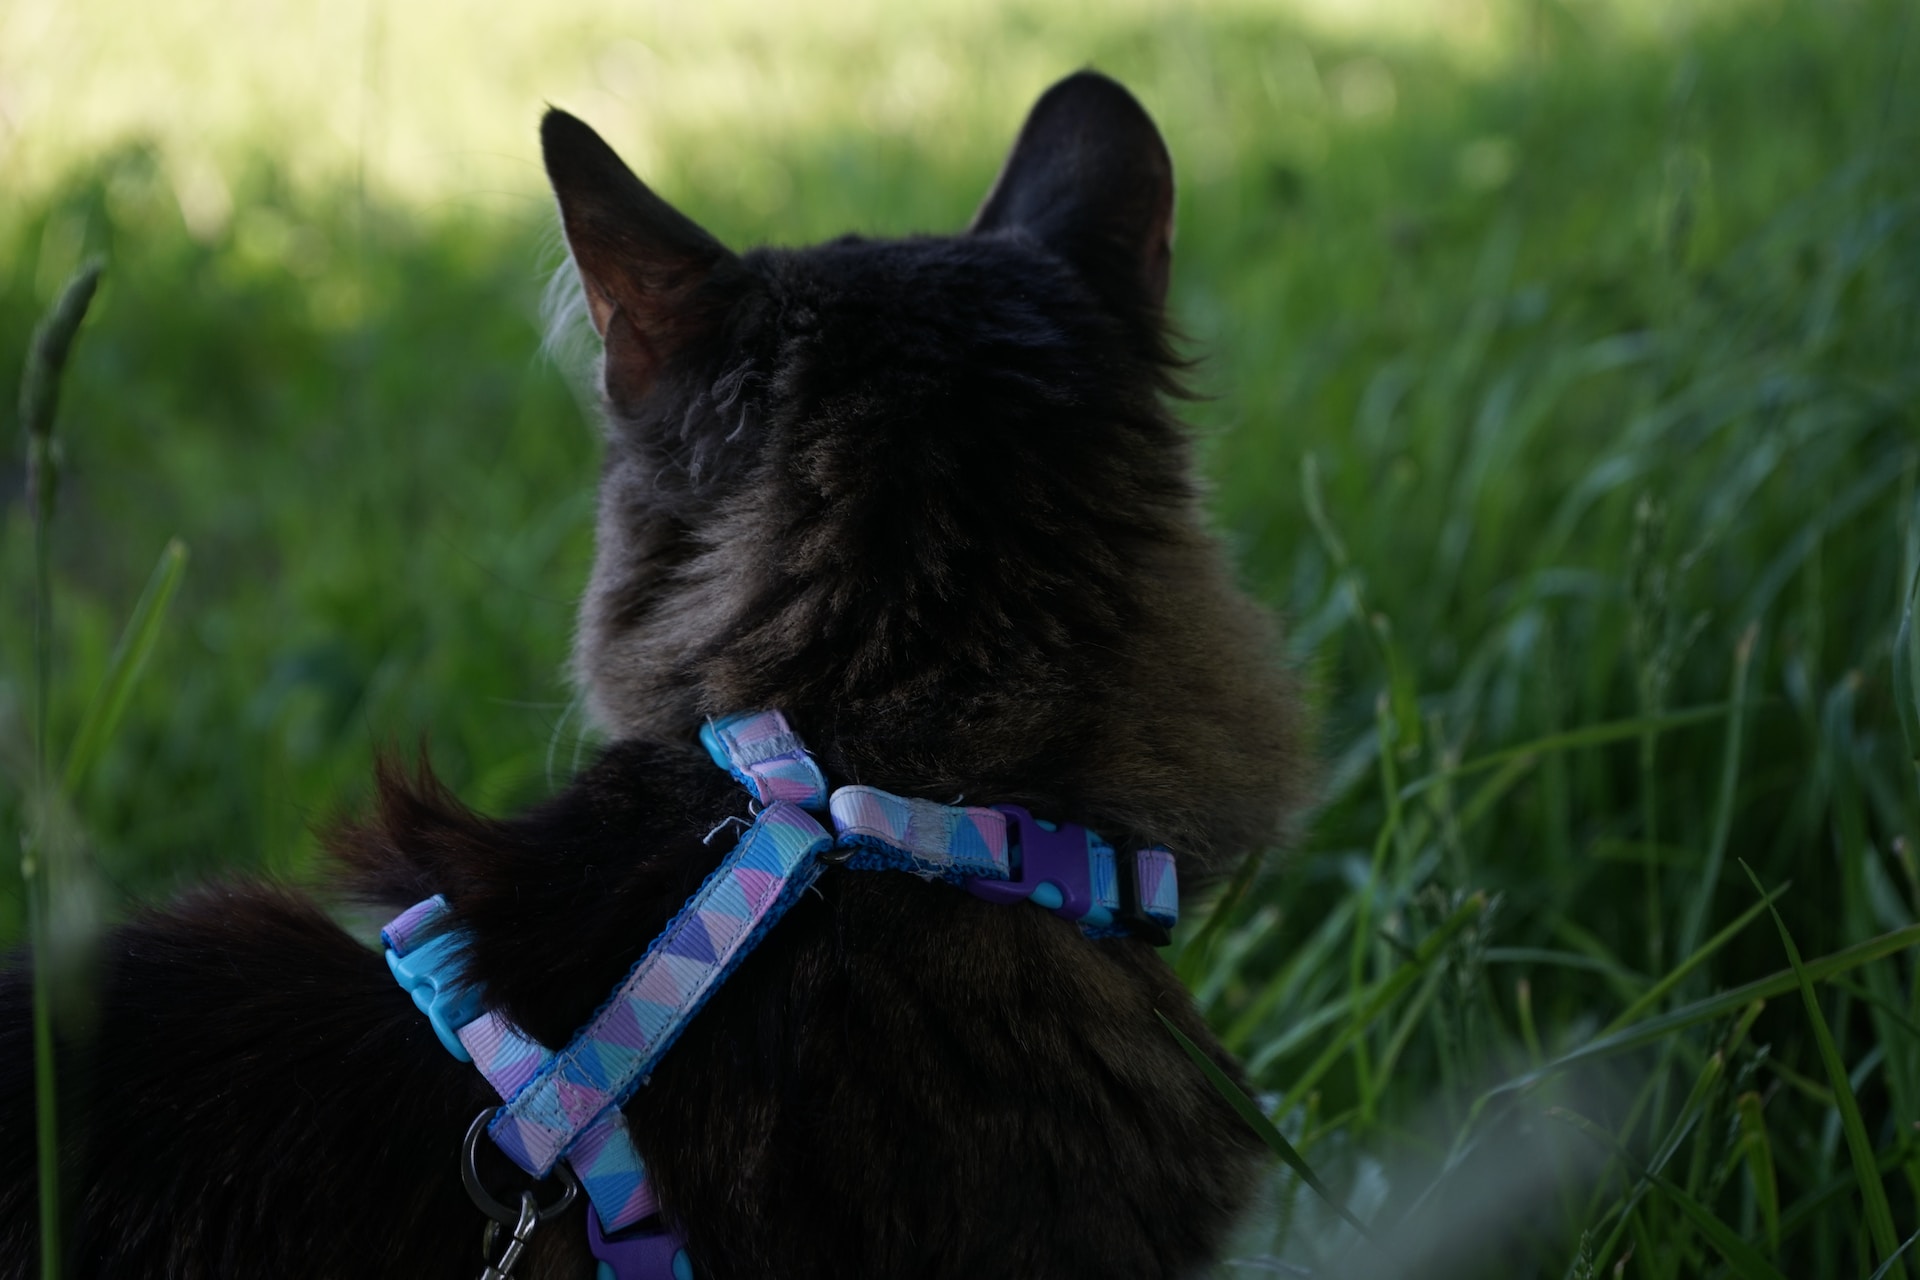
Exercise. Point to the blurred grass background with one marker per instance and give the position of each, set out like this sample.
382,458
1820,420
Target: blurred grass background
1566,364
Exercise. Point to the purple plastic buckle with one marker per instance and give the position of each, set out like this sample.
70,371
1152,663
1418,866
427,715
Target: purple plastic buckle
637,1255
1074,873
1053,866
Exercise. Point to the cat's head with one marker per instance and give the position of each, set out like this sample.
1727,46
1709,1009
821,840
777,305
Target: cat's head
924,495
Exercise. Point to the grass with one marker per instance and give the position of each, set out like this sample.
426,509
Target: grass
1567,399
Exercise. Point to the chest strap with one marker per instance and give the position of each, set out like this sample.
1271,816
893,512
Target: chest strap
603,1157
566,1105
775,861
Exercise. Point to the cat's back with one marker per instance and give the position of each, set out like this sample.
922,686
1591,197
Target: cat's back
904,1081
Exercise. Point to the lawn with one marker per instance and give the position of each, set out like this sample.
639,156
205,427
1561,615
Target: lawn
1563,364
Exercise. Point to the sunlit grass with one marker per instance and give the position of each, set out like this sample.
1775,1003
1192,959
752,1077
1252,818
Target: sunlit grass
433,101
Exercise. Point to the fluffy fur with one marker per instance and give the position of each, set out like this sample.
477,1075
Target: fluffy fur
923,495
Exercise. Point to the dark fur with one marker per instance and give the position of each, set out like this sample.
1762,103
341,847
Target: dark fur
924,496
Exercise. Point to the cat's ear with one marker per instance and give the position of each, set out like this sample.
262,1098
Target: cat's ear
653,279
1090,178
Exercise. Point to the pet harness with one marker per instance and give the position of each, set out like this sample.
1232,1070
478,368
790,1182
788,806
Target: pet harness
561,1113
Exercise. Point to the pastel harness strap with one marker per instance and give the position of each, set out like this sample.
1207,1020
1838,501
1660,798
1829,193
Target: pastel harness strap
566,1105
613,1054
939,841
603,1157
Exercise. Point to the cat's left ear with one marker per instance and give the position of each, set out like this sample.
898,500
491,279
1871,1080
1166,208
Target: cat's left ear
654,279
1090,178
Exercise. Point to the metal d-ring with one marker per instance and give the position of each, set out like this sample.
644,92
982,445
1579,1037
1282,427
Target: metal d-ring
483,1199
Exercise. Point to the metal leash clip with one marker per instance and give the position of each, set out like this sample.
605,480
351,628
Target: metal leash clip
522,1220
522,1232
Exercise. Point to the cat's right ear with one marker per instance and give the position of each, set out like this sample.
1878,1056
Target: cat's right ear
653,279
1090,178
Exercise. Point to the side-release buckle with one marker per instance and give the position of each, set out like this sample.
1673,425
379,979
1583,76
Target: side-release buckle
1061,866
431,977
1072,872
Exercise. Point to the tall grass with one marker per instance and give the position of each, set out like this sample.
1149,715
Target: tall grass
41,846
1606,512
56,880
1566,398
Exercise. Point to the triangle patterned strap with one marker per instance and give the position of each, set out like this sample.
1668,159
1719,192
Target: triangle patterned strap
938,841
603,1157
1005,854
1159,885
775,861
767,758
428,966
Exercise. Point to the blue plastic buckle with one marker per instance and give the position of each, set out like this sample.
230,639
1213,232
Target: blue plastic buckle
1060,866
429,975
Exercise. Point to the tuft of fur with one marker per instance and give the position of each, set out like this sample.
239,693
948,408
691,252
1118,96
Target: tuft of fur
925,496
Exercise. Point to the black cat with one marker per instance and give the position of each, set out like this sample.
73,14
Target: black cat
924,496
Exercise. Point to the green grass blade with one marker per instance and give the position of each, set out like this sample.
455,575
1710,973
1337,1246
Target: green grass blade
1696,957
1593,735
1885,1269
1292,977
1384,993
1806,1211
1257,1120
1197,951
123,671
52,344
1483,801
1906,673
46,361
1696,917
1756,1151
1299,1031
1724,1004
1692,1113
1552,958
46,1092
1873,1193
1746,1261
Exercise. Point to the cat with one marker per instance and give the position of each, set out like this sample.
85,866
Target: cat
926,497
